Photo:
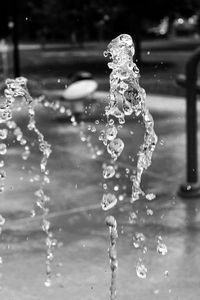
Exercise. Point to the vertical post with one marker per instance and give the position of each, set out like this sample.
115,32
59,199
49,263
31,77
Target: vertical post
192,188
191,124
15,38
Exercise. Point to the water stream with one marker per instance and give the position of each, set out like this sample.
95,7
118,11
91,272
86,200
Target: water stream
16,89
126,99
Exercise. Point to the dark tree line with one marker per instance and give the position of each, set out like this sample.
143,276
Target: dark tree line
77,20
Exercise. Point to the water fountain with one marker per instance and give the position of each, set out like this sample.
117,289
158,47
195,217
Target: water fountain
16,89
126,98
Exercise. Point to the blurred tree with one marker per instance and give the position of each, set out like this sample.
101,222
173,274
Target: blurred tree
4,19
79,20
133,16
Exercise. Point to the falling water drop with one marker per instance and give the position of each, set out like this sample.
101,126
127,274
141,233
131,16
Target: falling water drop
108,201
17,88
132,217
127,98
3,149
115,148
161,248
2,174
141,270
3,134
108,172
138,239
150,196
111,133
2,220
149,212
112,225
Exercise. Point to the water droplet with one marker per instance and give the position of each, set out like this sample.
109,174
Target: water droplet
111,122
2,188
141,270
127,170
108,201
161,142
46,225
26,154
149,212
132,217
127,108
138,239
2,220
108,172
161,248
115,148
144,250
47,283
111,133
3,134
23,142
121,197
105,186
93,129
166,273
3,149
150,196
110,221
105,53
116,188
99,152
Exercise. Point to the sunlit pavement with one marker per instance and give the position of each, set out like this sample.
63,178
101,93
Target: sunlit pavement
81,265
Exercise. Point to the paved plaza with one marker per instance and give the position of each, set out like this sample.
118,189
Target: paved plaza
81,265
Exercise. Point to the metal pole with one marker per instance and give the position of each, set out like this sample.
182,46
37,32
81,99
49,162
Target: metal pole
191,188
15,38
191,124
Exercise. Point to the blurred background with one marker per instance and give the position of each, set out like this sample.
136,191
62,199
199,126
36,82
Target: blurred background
57,38
58,45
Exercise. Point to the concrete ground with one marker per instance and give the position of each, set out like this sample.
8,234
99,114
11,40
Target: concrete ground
81,265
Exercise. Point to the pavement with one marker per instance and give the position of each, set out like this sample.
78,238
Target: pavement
81,265
172,43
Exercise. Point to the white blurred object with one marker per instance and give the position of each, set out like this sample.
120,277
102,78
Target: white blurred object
78,93
80,89
186,26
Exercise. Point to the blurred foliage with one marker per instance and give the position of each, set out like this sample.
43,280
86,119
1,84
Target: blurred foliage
80,20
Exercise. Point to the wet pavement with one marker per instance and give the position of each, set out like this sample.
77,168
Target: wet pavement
81,265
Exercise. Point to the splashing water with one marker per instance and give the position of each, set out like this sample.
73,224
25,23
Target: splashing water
66,112
141,270
161,247
127,98
112,225
138,239
108,171
16,88
108,201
